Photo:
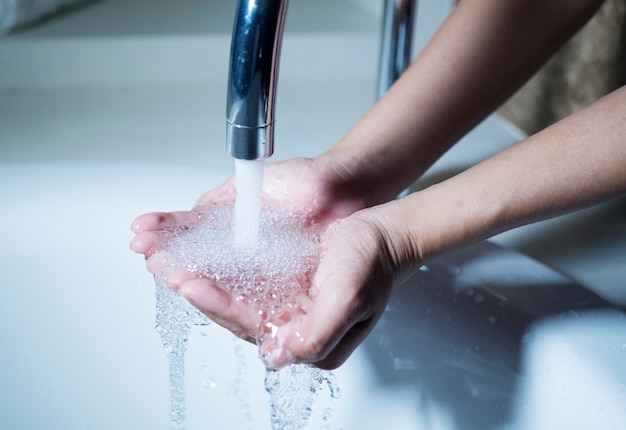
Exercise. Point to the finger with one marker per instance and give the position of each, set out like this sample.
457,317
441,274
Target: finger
146,242
346,346
312,337
157,263
163,220
220,305
179,277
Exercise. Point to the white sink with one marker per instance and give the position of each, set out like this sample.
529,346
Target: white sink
483,338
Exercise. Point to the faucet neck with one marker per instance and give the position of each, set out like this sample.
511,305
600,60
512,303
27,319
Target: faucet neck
396,41
253,77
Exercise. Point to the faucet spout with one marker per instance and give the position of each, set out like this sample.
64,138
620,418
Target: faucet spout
253,77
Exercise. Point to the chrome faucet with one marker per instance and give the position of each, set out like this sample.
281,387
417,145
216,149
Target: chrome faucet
254,64
253,76
396,41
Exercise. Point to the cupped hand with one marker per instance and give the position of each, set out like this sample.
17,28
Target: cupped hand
300,185
304,186
348,293
364,255
364,251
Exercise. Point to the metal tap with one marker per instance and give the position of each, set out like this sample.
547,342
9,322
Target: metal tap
254,64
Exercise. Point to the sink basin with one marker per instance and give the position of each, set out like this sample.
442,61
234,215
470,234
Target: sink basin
481,338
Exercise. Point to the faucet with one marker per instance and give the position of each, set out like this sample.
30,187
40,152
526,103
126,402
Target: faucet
254,64
253,77
396,42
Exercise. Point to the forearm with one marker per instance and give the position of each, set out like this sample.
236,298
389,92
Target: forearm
484,52
572,164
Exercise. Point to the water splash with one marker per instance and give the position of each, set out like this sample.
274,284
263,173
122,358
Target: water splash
293,393
238,389
174,319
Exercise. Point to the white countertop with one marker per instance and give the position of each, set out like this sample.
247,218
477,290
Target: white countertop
152,90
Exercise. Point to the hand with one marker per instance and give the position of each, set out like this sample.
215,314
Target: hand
304,185
350,289
349,293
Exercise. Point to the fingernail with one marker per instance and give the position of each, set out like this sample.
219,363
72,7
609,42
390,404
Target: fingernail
278,358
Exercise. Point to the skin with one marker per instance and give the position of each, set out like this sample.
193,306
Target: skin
480,56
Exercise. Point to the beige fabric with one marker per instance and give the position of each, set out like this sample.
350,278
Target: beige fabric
589,66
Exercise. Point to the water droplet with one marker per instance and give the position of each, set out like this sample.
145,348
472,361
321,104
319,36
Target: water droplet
244,299
331,381
454,270
528,337
492,320
209,383
327,413
403,364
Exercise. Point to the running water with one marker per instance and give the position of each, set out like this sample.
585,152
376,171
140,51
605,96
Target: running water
248,183
174,319
264,257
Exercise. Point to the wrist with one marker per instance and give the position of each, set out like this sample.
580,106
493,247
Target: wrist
397,236
365,171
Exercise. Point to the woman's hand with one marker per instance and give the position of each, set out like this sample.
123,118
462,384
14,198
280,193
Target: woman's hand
361,260
300,185
304,186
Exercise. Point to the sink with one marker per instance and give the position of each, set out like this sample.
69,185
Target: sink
481,338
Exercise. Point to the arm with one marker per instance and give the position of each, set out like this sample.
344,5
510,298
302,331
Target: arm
481,55
484,51
575,163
